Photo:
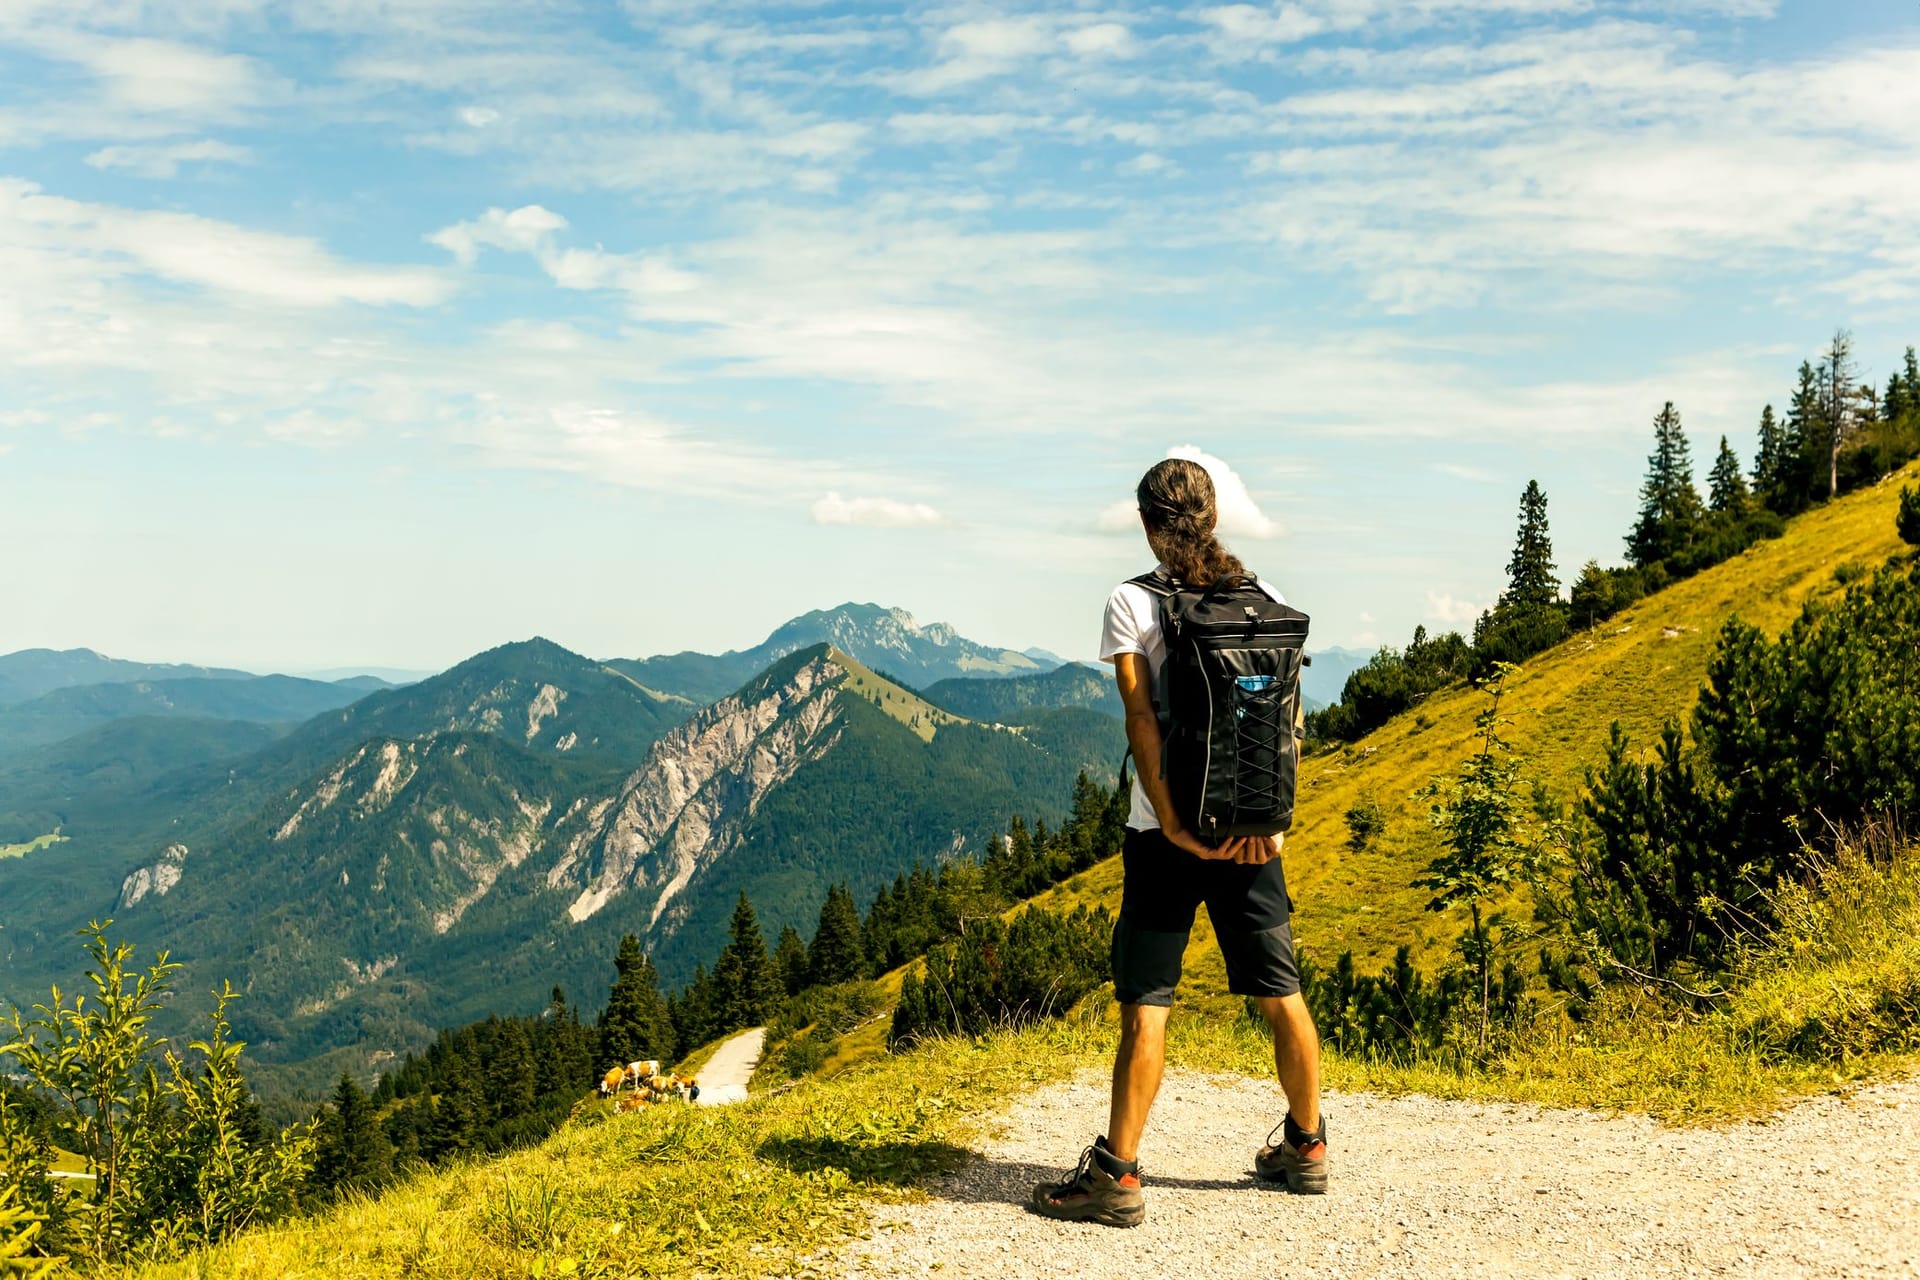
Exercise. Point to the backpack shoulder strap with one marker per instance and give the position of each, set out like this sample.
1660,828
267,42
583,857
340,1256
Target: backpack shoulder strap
1158,584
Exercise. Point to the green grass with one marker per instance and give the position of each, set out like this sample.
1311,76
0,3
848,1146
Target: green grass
759,1188
904,705
37,843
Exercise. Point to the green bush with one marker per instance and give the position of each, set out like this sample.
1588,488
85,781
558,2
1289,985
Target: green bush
1908,522
1365,820
1001,974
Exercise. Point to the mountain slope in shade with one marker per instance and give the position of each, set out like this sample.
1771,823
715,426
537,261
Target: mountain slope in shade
1012,699
29,673
888,640
261,699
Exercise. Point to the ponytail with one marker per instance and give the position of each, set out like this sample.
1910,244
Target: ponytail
1178,507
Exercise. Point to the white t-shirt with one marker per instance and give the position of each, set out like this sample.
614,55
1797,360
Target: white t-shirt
1132,625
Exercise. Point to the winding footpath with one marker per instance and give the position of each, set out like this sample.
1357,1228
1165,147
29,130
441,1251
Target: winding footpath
1428,1188
724,1078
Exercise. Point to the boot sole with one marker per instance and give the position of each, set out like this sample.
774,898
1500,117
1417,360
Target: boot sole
1297,1182
1106,1216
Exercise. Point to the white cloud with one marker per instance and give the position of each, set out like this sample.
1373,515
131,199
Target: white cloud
1451,611
164,160
528,229
1240,516
208,253
1461,471
885,513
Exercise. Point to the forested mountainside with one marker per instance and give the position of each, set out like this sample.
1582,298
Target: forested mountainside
64,712
28,673
1012,699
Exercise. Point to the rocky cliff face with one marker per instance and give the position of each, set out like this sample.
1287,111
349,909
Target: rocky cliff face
688,805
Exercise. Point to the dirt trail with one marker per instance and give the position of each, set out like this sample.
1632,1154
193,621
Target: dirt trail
724,1078
1425,1188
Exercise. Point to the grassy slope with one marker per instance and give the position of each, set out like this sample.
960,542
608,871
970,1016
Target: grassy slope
904,705
1632,668
31,846
759,1188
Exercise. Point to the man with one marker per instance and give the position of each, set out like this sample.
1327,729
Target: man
1168,872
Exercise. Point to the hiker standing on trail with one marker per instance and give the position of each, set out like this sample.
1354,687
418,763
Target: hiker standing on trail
1208,662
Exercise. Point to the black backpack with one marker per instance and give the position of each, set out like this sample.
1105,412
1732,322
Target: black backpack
1229,699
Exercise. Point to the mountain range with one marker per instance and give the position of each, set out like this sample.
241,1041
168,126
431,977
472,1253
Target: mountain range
433,852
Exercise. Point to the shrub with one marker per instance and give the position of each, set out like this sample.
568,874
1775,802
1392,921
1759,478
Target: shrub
1365,820
1908,522
1000,974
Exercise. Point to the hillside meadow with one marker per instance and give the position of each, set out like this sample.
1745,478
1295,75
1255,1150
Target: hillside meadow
1639,669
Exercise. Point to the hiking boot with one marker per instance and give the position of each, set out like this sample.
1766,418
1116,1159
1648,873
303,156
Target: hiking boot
1299,1160
1101,1189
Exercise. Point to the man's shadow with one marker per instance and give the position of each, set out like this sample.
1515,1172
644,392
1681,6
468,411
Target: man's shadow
982,1180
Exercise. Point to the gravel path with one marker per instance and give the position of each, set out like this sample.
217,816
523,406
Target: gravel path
724,1078
1426,1188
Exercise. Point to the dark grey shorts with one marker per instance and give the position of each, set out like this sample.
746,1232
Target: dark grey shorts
1164,885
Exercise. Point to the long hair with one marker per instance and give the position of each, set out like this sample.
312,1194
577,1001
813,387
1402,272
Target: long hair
1178,507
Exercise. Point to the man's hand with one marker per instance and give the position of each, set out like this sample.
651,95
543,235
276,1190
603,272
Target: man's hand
1181,838
1253,851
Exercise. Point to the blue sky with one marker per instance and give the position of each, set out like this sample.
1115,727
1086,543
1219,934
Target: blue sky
381,332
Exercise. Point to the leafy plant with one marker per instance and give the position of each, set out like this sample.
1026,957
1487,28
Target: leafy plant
1908,520
1366,819
1483,817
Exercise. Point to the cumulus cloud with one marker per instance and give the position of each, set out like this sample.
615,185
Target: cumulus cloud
882,513
528,229
1450,611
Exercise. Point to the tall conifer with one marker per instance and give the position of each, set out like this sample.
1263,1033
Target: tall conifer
635,1024
1531,584
1726,483
746,985
790,957
837,954
1669,504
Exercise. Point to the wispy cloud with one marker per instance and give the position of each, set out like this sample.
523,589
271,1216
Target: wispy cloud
885,513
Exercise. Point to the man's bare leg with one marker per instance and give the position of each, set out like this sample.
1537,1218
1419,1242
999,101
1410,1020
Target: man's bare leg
1136,1074
1296,1057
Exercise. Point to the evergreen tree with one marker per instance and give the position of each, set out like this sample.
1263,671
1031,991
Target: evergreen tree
351,1153
837,954
509,1070
1669,504
746,984
1531,584
1727,484
564,1057
1772,462
695,1018
1592,597
635,1024
450,1126
790,957
1903,389
1806,415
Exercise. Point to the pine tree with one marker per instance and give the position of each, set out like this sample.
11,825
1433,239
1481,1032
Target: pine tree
1531,584
746,985
1669,504
1727,484
351,1153
1805,438
837,954
456,1112
1592,596
635,1024
509,1071
790,957
1771,462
